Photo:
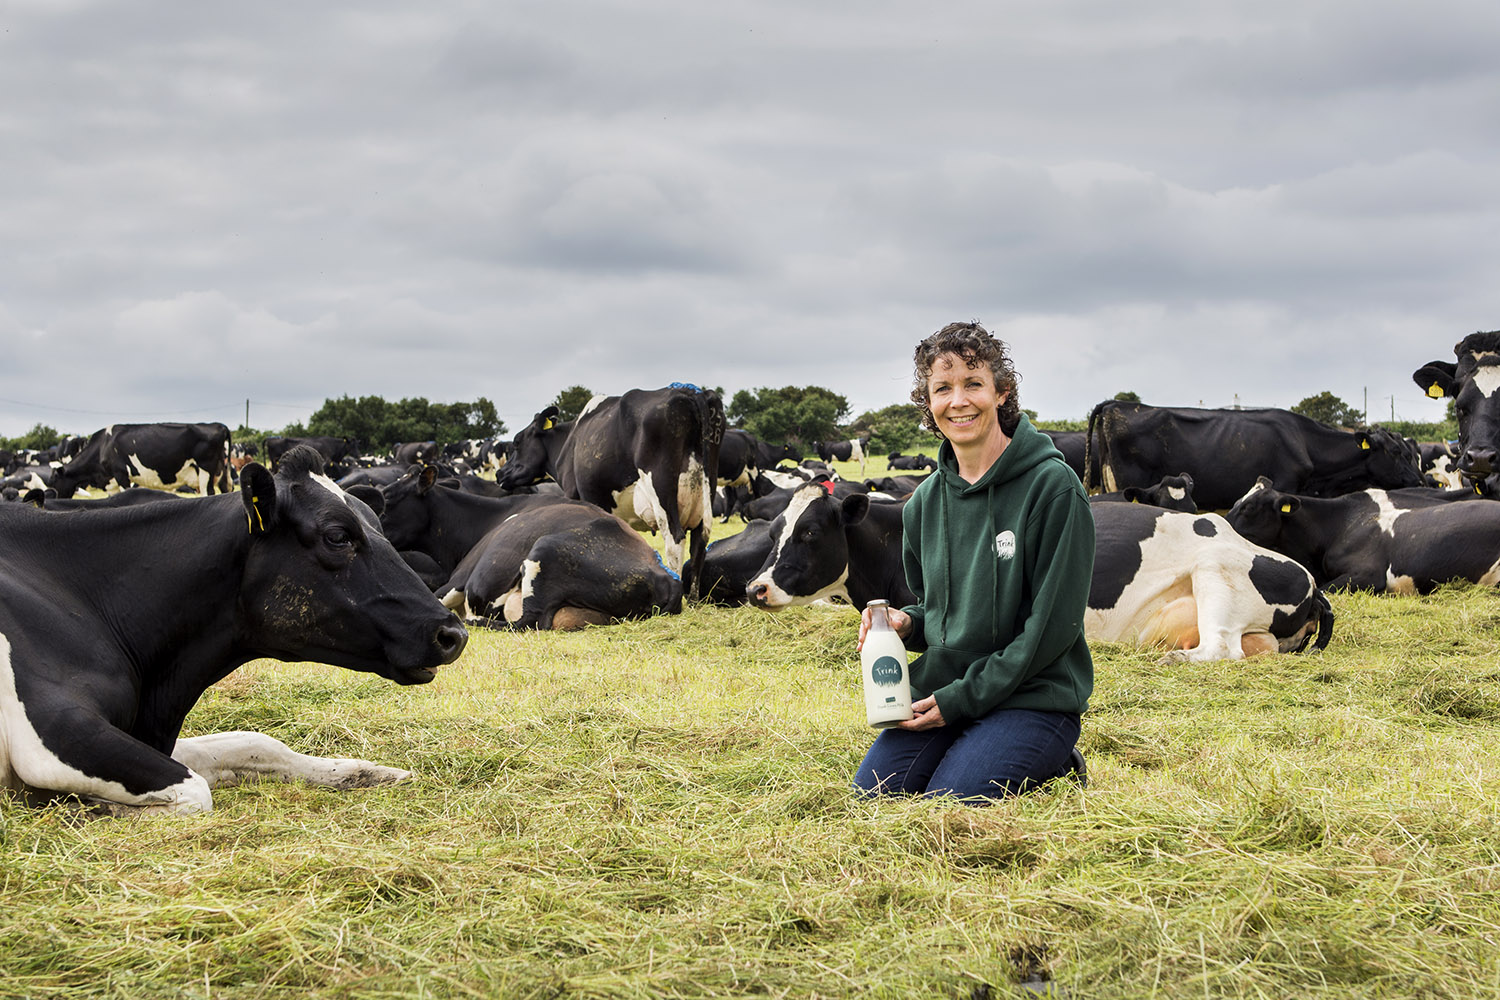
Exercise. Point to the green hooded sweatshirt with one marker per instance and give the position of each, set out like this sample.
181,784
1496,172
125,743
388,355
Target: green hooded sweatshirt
1001,569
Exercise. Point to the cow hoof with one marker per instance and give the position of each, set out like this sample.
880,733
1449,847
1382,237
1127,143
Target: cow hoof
363,774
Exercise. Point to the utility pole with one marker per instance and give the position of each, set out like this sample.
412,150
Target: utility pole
247,414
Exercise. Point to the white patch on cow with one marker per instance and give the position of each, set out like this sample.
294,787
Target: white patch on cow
591,405
530,570
1214,572
25,761
784,480
1487,376
1388,514
1176,492
1251,492
1491,577
1398,584
329,485
225,759
188,475
775,596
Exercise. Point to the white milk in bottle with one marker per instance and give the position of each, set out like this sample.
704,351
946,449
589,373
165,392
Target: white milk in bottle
883,658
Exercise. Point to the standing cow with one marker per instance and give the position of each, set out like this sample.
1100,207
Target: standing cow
648,456
1131,444
160,456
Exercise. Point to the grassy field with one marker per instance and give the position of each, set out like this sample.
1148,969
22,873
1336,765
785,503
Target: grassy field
661,809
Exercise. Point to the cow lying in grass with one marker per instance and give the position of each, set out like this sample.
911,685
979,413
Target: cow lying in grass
1397,541
113,622
1184,582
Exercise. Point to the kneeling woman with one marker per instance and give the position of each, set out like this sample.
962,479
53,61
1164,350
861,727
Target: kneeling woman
998,546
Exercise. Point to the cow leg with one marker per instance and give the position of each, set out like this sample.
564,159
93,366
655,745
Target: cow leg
127,776
225,759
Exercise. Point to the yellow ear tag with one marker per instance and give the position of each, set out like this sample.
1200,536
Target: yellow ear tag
1286,508
547,426
1364,446
250,524
1435,391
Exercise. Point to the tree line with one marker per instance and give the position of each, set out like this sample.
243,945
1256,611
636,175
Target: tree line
794,415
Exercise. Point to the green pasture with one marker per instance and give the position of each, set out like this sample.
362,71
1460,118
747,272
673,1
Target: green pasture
661,809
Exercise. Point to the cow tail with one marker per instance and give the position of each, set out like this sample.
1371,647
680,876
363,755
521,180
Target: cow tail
1090,484
1325,622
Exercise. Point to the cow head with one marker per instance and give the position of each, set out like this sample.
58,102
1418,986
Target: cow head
322,583
529,458
1172,493
809,558
1473,382
1261,513
406,515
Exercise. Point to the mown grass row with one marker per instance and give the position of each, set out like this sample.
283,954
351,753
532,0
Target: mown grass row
662,809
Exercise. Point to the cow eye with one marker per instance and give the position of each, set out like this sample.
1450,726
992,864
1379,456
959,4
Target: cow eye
338,537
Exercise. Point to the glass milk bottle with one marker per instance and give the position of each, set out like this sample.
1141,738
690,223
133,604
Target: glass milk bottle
883,658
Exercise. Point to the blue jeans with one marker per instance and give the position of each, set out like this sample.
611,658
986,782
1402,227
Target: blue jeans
1007,752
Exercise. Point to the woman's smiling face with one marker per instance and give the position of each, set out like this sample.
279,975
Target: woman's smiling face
964,402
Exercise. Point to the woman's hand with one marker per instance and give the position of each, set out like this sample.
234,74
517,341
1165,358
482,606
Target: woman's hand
928,715
900,621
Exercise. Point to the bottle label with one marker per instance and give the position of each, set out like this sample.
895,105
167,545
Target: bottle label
886,671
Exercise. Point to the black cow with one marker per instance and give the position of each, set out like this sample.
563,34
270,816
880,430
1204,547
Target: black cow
1162,578
1172,493
1226,450
95,681
729,564
422,514
561,566
1473,382
1404,543
160,456
1074,448
647,456
338,452
896,460
412,452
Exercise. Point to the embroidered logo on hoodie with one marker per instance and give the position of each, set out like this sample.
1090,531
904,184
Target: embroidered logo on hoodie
1005,544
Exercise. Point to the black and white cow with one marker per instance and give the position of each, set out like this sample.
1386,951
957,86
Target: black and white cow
1473,382
852,450
96,680
1172,493
159,456
824,547
1400,542
1166,579
561,566
1440,465
647,456
1226,450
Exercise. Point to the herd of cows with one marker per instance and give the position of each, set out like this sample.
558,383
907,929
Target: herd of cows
118,611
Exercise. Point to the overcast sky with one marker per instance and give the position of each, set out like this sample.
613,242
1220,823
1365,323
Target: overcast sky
204,203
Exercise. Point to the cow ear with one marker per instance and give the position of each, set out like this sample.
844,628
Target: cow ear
854,508
258,489
1132,493
547,419
1289,505
1436,378
371,495
426,479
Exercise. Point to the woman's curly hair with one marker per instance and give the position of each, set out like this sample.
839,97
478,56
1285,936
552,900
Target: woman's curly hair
977,346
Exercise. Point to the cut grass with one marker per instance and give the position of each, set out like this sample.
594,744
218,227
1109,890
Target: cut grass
662,808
